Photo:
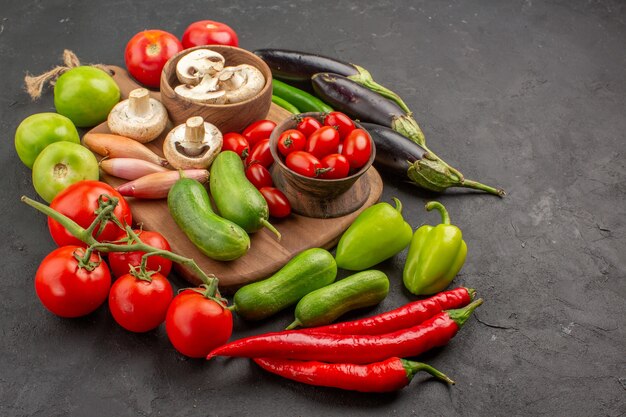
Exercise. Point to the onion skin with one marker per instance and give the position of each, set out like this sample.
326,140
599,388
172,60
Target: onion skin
115,146
157,185
129,168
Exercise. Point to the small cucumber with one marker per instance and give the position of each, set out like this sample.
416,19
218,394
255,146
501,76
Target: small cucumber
218,238
305,272
235,197
323,306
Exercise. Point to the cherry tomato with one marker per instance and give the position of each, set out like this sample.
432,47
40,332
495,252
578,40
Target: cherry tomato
68,290
139,305
338,164
196,324
237,143
323,141
79,202
357,148
261,154
308,125
259,176
291,140
208,32
344,124
257,131
120,261
277,202
146,55
303,163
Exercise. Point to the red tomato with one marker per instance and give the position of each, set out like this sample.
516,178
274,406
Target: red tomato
344,124
79,202
338,164
257,131
303,163
259,176
68,290
357,148
323,141
196,324
146,55
308,125
139,305
291,140
208,32
261,154
235,142
120,261
277,202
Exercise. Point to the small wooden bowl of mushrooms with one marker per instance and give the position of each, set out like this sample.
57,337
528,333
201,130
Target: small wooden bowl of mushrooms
228,86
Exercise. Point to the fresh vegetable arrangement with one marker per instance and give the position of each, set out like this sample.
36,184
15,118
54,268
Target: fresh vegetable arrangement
219,189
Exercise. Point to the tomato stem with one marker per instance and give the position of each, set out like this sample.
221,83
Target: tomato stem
80,233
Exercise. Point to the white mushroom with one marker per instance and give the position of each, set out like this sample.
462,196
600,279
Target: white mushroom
193,67
206,92
194,144
241,82
139,117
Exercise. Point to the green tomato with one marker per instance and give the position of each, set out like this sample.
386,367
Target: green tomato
40,130
86,95
60,165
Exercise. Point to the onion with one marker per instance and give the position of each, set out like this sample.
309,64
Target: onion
129,168
116,146
157,185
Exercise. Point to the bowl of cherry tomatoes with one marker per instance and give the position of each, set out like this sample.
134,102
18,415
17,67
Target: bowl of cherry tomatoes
321,154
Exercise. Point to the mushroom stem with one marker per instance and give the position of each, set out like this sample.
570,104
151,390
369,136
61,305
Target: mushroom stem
139,102
194,132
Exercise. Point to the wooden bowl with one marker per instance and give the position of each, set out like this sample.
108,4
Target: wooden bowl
316,197
227,117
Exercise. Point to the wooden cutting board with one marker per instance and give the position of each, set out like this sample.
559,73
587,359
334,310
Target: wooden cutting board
266,254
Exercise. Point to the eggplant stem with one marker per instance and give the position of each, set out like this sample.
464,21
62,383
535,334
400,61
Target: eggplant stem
365,79
480,186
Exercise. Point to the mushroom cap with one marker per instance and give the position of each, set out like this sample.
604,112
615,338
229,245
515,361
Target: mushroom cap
123,119
192,67
195,134
241,82
206,92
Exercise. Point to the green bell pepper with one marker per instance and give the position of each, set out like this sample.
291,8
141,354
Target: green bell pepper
436,255
378,233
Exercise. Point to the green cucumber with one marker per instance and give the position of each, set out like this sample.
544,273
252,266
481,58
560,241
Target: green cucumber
218,238
323,306
307,271
235,197
299,98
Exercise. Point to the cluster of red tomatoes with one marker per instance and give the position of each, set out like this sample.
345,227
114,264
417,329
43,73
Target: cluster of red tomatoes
69,285
148,51
253,146
332,149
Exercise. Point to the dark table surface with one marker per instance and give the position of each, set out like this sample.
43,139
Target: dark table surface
526,95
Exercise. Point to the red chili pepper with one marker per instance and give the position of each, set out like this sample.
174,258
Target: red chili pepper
337,348
389,375
406,316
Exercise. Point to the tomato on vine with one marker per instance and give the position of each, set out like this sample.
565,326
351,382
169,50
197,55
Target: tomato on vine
69,285
122,262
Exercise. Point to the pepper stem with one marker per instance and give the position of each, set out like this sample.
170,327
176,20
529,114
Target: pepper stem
460,315
412,368
445,217
398,204
471,292
296,323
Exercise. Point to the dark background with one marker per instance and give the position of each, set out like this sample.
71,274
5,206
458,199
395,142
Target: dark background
526,95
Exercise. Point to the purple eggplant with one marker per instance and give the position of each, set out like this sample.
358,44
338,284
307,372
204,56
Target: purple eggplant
295,66
358,102
402,158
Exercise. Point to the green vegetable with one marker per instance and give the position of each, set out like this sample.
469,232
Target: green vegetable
285,104
305,272
235,197
301,99
218,238
60,165
436,255
40,130
378,233
85,95
323,306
